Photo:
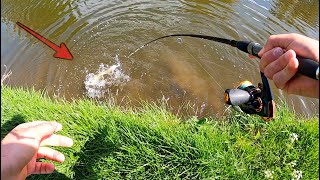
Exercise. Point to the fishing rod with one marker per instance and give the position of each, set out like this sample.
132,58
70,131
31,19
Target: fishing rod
251,99
306,67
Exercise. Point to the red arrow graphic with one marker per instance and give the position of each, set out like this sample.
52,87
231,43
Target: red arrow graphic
62,52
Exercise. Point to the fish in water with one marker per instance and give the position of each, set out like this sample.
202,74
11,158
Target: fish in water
101,75
106,77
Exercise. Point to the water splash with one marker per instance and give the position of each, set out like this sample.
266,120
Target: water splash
97,84
5,75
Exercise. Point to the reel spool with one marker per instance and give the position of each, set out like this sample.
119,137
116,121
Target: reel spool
251,100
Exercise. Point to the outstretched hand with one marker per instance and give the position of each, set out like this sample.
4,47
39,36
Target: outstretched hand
279,63
26,143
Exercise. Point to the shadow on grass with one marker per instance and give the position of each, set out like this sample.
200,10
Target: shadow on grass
96,149
54,175
106,155
12,123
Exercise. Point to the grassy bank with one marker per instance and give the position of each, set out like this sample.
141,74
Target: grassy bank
151,143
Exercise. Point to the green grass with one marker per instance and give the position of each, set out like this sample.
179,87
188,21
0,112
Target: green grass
151,143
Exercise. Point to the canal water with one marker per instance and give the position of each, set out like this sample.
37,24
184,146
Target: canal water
189,75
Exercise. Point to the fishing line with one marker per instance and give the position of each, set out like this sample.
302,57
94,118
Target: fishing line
227,109
216,39
201,66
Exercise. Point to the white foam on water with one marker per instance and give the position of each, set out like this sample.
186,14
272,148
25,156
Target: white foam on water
97,84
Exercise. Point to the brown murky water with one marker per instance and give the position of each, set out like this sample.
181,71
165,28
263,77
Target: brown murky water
182,71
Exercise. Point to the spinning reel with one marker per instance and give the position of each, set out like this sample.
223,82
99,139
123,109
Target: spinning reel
252,99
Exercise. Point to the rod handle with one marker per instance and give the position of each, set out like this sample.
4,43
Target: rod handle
307,67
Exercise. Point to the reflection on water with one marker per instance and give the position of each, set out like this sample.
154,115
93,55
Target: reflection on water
183,71
290,13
